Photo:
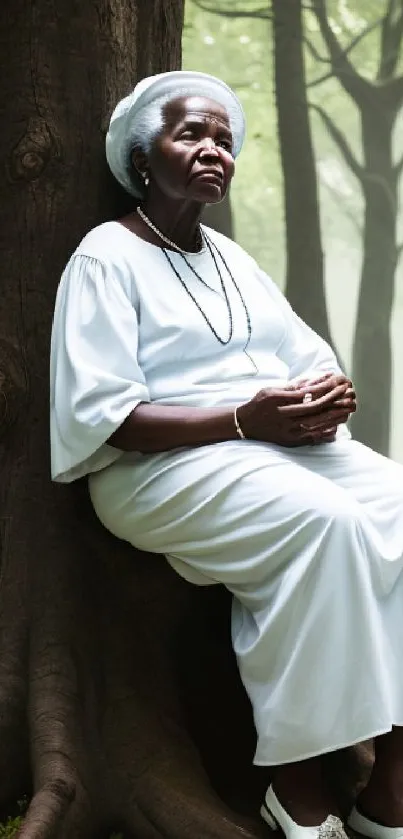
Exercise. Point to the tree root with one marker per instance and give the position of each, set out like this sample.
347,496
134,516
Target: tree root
47,810
180,810
132,703
110,744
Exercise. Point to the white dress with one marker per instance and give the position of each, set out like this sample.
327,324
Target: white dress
309,540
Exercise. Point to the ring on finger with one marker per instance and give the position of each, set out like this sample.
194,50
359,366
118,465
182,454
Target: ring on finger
307,398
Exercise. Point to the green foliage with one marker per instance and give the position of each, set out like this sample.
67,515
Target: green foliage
10,827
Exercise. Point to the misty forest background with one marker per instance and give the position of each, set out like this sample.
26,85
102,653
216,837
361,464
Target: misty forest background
352,91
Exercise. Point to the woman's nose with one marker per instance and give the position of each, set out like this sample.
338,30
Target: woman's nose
209,149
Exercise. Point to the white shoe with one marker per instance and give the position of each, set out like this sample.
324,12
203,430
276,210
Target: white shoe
276,817
372,829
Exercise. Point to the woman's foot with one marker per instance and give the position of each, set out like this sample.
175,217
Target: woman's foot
277,817
382,805
371,829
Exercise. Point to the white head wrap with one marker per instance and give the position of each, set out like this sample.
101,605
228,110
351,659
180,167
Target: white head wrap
137,119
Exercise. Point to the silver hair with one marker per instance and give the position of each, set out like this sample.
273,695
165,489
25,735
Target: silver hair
150,119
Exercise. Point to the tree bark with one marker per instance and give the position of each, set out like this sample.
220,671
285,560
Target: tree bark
305,287
119,696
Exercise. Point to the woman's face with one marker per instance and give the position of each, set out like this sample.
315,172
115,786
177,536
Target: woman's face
192,157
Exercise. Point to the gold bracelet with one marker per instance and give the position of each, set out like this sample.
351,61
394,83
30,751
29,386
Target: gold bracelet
237,426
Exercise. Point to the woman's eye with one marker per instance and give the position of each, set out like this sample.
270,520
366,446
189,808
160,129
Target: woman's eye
225,144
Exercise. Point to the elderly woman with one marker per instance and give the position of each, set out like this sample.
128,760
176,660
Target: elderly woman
211,422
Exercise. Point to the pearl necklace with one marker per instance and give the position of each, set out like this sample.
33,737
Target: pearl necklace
165,239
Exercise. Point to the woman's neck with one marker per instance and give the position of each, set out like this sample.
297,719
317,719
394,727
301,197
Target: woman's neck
178,220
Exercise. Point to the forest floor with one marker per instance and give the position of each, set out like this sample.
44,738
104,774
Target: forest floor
9,828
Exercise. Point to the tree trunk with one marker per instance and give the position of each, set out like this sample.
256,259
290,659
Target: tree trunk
305,279
372,352
219,217
119,696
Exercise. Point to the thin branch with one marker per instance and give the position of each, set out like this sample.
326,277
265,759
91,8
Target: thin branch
321,79
315,52
363,34
341,142
352,45
343,69
258,14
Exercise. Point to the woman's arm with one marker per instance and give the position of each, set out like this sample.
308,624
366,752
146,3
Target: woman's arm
154,428
273,415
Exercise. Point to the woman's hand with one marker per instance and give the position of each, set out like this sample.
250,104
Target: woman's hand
304,413
322,433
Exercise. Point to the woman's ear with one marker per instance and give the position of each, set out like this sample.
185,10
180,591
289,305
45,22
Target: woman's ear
139,160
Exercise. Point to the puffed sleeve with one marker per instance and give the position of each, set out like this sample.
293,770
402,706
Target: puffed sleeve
306,354
95,377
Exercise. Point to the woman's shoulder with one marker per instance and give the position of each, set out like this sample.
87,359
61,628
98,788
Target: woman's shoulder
104,242
107,253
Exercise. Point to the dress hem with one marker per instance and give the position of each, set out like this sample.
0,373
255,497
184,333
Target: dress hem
327,749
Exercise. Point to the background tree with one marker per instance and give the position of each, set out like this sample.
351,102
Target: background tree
104,707
305,287
219,216
379,103
304,255
348,30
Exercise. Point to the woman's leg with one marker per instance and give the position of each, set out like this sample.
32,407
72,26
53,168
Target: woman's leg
304,791
382,798
377,484
306,568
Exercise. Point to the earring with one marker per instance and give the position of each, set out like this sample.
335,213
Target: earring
146,178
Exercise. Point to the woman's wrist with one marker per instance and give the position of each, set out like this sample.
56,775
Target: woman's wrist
238,426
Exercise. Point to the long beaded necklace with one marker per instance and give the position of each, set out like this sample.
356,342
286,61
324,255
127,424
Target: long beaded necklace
223,341
211,248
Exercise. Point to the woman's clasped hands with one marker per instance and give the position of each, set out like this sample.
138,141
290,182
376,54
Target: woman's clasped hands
299,414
